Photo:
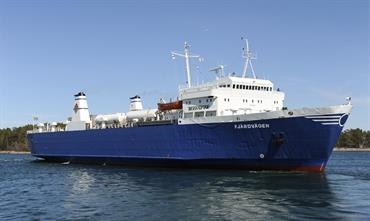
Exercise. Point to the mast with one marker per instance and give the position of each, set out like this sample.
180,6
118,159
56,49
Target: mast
187,57
248,55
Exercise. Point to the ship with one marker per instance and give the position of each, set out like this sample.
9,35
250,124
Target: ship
232,122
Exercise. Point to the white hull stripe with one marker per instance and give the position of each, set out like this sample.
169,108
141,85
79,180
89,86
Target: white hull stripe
326,119
331,123
319,117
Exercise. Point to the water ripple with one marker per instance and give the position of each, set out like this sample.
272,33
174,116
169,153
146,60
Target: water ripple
32,190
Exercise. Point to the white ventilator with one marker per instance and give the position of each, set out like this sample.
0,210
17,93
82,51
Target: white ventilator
80,115
135,103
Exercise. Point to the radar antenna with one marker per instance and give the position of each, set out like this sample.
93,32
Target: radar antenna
249,56
187,57
219,70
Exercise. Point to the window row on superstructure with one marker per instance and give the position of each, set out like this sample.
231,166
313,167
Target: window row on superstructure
208,100
247,87
246,101
200,114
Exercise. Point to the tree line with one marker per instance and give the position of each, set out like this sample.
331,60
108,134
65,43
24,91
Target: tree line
14,139
354,138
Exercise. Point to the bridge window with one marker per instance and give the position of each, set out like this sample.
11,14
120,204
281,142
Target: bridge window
210,113
188,115
233,86
228,85
199,114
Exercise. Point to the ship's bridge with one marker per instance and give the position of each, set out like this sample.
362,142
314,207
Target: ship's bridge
231,95
228,94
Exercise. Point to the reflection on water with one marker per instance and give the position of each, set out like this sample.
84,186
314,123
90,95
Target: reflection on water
49,191
81,181
202,194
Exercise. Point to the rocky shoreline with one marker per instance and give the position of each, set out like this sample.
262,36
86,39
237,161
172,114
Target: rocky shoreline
351,149
14,152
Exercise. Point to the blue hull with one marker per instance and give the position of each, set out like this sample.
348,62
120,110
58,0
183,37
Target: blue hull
295,143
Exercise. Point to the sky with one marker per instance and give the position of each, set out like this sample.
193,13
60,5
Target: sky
317,52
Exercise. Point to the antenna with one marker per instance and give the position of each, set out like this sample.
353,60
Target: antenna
187,57
219,70
249,56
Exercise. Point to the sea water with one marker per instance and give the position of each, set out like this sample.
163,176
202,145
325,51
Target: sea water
34,190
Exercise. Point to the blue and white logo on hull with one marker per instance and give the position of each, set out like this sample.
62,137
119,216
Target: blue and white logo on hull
337,119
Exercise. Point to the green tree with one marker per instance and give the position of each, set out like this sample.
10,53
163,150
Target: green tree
15,138
367,139
354,138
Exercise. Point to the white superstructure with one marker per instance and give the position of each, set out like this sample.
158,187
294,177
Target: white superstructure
231,95
227,95
228,98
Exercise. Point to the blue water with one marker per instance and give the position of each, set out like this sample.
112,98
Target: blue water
34,190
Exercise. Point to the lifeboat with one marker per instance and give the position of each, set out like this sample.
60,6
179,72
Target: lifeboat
170,106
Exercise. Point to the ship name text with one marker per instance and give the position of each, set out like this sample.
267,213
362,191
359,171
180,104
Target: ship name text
251,126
